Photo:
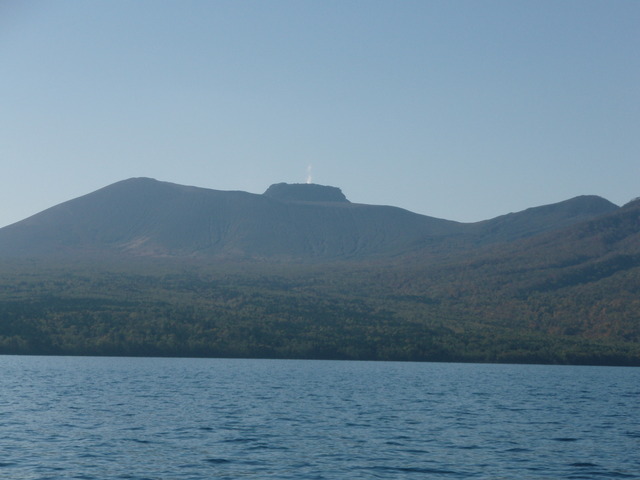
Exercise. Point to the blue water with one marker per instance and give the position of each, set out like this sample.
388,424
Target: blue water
147,418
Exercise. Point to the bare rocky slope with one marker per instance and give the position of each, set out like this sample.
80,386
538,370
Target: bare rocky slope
146,217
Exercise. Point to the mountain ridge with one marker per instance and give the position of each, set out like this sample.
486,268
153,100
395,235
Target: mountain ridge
151,268
143,216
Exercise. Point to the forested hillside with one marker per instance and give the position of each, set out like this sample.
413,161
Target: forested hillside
477,310
511,289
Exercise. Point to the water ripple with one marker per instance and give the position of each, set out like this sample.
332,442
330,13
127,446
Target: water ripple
136,419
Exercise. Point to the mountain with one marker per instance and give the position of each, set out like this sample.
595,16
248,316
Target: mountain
143,267
547,217
581,282
146,217
591,267
142,216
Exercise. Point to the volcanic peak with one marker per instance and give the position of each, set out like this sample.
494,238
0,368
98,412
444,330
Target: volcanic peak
305,192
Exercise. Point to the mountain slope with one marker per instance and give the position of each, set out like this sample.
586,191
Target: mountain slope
146,217
535,220
578,282
568,294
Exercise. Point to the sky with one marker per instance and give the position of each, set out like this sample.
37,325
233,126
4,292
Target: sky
457,109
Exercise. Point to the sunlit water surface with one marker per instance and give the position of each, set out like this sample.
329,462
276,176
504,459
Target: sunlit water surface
149,418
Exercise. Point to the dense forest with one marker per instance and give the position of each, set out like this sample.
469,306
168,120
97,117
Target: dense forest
472,311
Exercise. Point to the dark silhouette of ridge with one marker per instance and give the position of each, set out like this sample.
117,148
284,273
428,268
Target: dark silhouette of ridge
146,217
535,220
142,216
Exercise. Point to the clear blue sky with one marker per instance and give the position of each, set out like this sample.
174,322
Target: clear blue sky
457,109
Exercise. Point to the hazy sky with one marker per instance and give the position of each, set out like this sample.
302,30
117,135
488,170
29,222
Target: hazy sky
457,109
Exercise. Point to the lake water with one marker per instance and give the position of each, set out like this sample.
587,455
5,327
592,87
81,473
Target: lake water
150,418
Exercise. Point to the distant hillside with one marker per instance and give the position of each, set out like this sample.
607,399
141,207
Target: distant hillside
151,268
575,283
145,217
541,219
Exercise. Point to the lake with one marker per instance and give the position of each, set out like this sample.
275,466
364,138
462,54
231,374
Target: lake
159,418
